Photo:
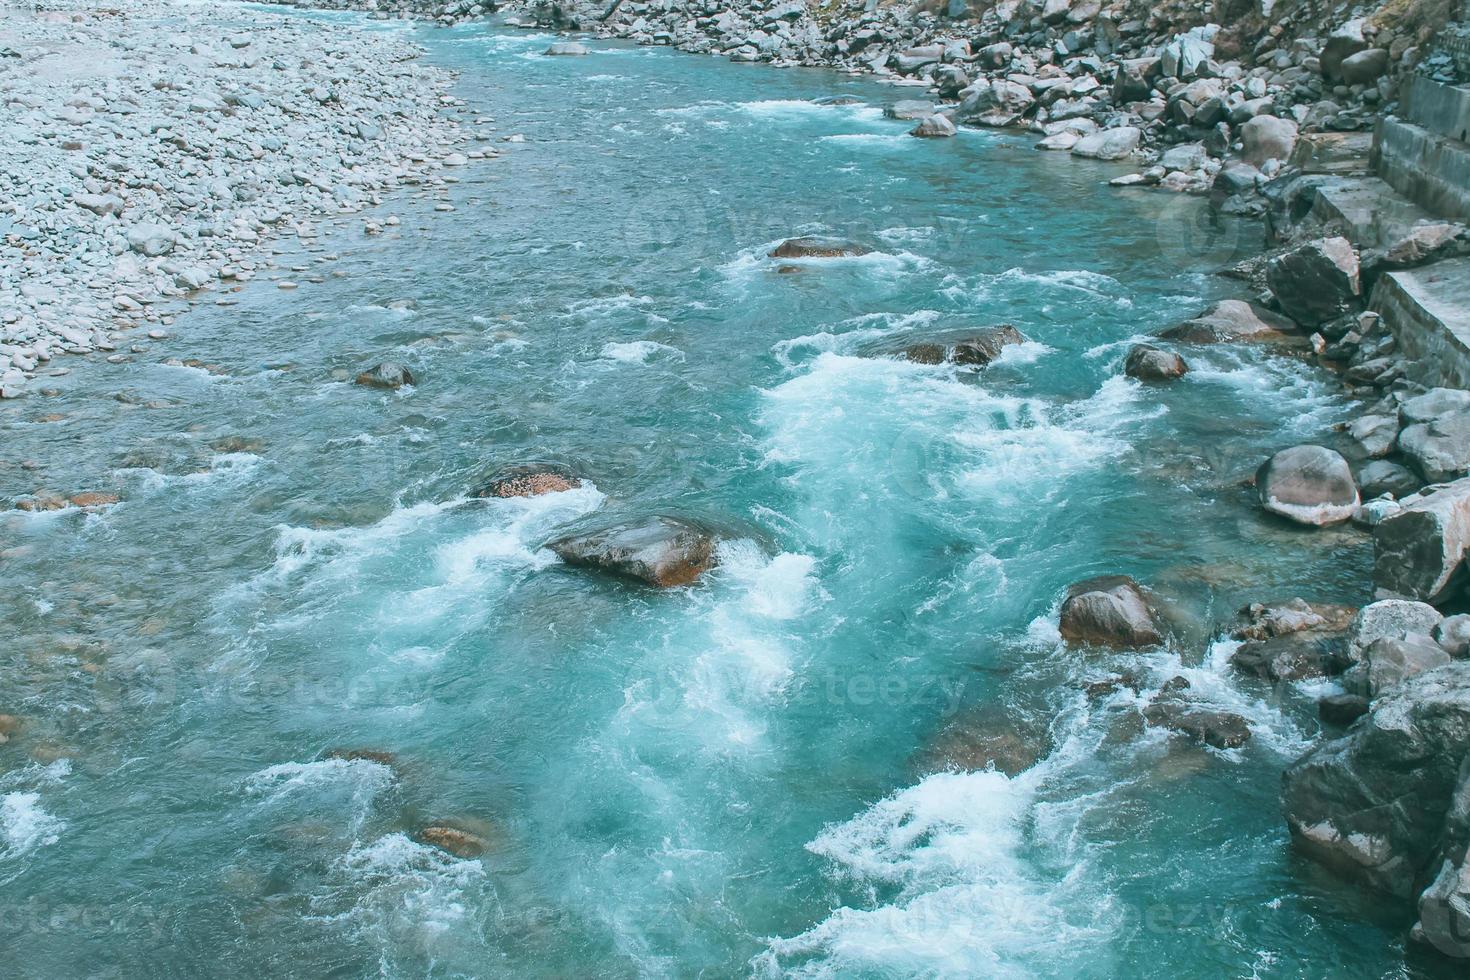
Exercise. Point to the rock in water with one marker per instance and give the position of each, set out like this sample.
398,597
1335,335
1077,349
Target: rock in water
568,48
389,374
1315,282
1108,144
1293,640
1109,611
460,843
530,480
1173,709
662,551
1148,363
1229,321
1419,550
933,127
817,247
1444,907
909,109
1308,484
1372,805
977,350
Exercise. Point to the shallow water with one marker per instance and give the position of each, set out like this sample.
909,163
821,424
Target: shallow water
723,780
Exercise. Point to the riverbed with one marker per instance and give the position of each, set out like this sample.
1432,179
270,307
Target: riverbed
295,642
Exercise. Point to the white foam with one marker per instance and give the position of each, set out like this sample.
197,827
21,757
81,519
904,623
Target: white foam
639,351
351,785
25,825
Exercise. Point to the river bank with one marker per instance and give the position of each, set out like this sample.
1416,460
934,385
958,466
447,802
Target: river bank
155,150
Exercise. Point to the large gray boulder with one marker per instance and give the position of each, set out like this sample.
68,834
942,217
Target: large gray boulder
1232,321
1391,661
1315,282
817,247
1112,611
1440,447
914,109
661,551
1267,138
1419,550
1374,804
1389,619
1108,144
567,48
934,127
1308,484
1444,906
1365,67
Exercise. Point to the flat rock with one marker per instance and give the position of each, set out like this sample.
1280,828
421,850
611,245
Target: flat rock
1232,321
661,551
817,247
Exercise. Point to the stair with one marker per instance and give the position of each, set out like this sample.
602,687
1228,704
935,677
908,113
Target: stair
1428,310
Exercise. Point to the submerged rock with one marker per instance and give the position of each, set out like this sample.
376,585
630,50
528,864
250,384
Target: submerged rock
817,247
1230,321
460,843
1113,611
1308,484
990,739
1172,709
662,551
1373,805
976,350
528,480
1148,363
388,374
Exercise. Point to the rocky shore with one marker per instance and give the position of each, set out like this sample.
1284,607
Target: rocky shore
154,150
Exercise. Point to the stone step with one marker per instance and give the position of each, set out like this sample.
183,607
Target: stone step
1428,310
1332,153
1439,108
1366,211
1429,169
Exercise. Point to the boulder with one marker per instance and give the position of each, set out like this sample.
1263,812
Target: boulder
1373,804
388,374
1345,41
1293,640
1389,661
1388,619
817,247
1108,144
151,239
1229,321
528,480
1112,611
460,843
934,127
661,551
1444,907
1453,633
1308,484
1382,477
1418,550
1315,282
976,350
1365,67
1148,363
1342,709
1433,404
989,738
1439,448
567,48
1374,435
1267,138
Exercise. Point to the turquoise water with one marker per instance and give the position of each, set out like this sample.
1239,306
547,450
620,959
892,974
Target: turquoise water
724,780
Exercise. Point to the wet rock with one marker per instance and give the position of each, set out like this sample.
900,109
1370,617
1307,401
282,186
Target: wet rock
94,498
1342,709
1148,363
10,726
661,551
1173,709
934,127
1315,282
1419,551
989,739
911,109
1372,805
388,374
1232,321
1374,435
1389,619
1308,484
975,350
1113,611
1293,640
530,480
567,48
378,756
460,843
815,246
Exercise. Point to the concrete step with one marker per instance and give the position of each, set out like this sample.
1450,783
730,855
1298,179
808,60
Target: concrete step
1332,153
1366,211
1428,310
1439,108
1428,168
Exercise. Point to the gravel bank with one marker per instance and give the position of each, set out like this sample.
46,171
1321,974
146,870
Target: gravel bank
153,147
